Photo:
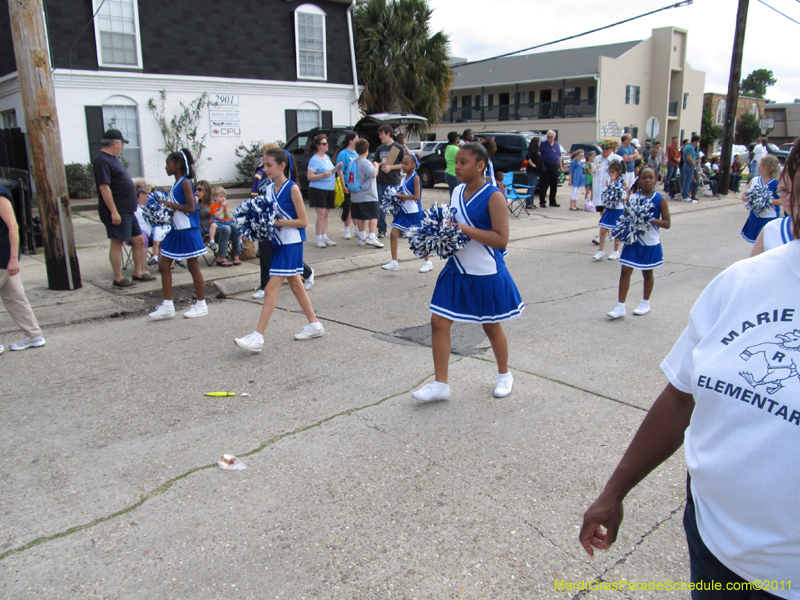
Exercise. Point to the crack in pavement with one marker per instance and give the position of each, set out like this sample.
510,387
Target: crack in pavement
164,487
633,549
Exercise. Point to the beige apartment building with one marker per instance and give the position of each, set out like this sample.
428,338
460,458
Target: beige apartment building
584,94
785,121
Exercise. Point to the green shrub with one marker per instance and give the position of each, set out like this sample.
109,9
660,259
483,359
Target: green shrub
80,180
250,159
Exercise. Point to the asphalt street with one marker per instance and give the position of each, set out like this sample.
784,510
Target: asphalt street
110,485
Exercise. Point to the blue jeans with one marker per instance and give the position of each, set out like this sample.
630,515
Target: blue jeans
533,182
382,218
452,181
670,174
225,232
707,568
687,178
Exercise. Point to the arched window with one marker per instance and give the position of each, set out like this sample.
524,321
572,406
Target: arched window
721,108
308,116
121,112
310,42
754,110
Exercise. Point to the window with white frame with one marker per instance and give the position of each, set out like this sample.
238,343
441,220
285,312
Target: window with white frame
308,116
9,119
722,108
116,28
754,111
632,94
310,41
120,112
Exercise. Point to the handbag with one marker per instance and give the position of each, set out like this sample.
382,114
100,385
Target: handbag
338,192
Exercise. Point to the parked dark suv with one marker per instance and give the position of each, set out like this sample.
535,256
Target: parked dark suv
298,144
512,146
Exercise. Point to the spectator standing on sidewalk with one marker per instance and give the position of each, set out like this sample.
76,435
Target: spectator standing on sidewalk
689,167
388,174
673,162
629,155
551,159
11,290
116,205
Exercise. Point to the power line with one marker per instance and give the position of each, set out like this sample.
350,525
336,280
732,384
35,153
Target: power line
572,37
779,12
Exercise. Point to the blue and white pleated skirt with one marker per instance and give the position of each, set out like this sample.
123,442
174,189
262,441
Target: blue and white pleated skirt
183,243
287,260
639,256
753,226
405,221
610,217
476,298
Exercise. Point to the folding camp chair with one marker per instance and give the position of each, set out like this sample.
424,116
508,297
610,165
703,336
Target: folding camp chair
516,200
127,254
210,250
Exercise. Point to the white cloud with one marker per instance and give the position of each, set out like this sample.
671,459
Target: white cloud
482,29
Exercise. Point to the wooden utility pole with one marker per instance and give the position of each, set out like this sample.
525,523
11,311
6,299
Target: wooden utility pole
733,98
44,137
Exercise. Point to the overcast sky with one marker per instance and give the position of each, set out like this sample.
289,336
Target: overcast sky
487,28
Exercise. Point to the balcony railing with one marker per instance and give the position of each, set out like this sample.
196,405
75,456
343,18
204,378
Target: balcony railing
515,112
673,108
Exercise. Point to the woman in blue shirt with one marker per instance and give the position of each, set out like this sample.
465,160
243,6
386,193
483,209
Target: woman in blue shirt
322,186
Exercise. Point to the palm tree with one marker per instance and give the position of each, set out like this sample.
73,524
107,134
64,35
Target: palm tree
401,65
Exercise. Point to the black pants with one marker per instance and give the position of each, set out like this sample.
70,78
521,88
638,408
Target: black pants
548,179
265,256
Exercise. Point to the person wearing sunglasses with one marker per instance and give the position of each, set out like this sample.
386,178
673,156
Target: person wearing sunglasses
321,187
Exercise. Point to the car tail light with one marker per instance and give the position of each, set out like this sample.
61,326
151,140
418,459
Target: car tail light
524,164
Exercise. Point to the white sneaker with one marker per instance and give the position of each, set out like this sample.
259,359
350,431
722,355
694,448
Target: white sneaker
309,283
392,265
642,309
432,392
426,266
613,256
26,343
374,242
258,295
196,311
599,256
504,384
596,240
213,246
329,242
609,237
347,235
252,342
321,244
362,242
617,313
311,330
1,348
162,312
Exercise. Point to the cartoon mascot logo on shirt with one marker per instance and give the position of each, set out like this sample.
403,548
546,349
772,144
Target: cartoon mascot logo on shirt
779,358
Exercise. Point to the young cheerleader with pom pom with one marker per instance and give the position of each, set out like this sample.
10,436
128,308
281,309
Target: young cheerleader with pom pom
287,253
645,253
762,213
184,240
410,213
780,231
613,198
474,286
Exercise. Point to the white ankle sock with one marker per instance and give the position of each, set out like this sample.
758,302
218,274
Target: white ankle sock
645,302
371,236
200,303
168,303
320,238
441,387
621,305
362,235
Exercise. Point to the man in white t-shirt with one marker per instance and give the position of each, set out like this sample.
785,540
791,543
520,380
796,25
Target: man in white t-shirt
733,400
760,149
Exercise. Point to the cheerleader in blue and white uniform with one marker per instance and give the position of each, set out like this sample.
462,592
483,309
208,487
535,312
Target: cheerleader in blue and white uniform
779,231
287,252
769,171
474,286
619,191
410,214
646,253
184,240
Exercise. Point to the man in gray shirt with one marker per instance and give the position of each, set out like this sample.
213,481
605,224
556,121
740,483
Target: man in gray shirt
364,203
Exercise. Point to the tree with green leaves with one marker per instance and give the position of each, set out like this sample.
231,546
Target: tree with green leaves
180,130
757,82
709,131
747,129
402,66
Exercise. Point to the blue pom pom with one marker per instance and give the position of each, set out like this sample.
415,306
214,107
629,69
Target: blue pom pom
759,198
636,220
613,194
256,218
390,203
435,234
154,213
